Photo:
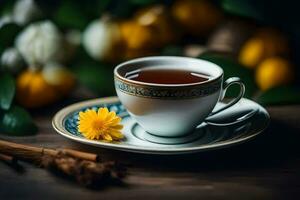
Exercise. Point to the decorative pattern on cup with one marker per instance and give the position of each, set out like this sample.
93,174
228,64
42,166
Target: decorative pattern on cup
165,92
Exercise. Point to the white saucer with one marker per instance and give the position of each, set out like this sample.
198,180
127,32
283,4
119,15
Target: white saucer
205,137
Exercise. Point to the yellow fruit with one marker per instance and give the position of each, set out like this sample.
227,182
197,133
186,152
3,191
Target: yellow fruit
59,77
273,72
33,90
252,52
150,28
198,17
160,22
40,88
136,36
265,43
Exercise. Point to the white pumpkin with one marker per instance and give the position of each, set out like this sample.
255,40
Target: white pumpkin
100,37
39,43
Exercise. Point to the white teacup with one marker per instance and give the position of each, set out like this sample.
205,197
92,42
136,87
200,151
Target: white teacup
172,110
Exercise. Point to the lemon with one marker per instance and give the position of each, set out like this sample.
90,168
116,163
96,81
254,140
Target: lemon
59,77
33,90
198,17
274,71
42,87
161,23
265,43
252,53
136,36
150,28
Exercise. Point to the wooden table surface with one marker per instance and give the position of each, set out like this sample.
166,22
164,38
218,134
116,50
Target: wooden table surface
267,167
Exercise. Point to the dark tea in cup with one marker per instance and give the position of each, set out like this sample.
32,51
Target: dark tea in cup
166,76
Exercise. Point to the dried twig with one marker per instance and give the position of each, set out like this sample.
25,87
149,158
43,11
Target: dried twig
83,167
34,153
87,173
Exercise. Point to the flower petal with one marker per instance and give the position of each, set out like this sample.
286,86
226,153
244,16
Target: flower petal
110,115
117,127
115,121
107,137
102,112
116,135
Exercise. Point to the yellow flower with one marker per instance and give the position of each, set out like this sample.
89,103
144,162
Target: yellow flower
101,125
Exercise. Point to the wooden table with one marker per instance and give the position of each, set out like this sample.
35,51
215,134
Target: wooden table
265,168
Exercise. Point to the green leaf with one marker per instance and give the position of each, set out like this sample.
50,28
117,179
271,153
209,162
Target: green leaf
7,91
17,122
69,14
231,69
280,95
95,76
245,8
8,32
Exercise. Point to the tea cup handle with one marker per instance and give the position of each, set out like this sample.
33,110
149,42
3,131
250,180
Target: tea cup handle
226,85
